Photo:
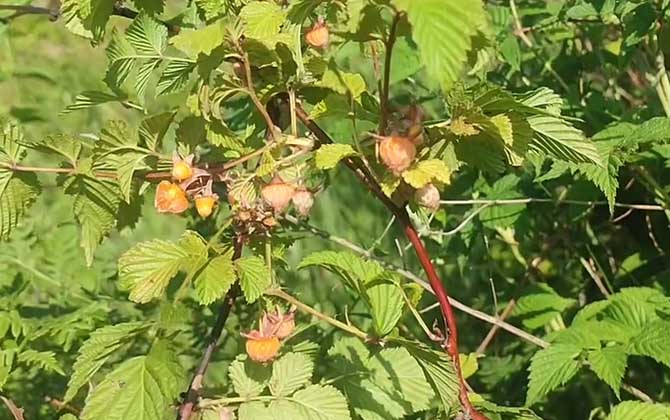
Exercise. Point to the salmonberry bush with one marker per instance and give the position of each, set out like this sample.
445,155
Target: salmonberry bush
335,209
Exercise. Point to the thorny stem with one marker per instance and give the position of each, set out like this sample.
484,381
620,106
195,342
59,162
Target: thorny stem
193,392
323,317
451,342
384,94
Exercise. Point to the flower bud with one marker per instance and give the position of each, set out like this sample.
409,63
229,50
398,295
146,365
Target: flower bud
428,197
205,204
303,201
262,349
397,153
318,36
170,198
278,194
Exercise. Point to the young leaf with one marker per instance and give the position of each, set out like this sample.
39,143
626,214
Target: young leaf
426,171
45,360
91,98
262,20
350,267
147,36
254,277
97,349
386,304
329,155
444,31
609,364
249,379
290,373
215,279
653,341
174,77
636,410
439,371
551,368
142,388
17,194
320,402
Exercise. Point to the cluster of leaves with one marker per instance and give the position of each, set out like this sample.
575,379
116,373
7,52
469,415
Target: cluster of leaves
191,76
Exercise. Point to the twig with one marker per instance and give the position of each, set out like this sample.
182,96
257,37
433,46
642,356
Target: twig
644,207
323,317
650,230
596,278
193,392
384,94
494,329
464,223
21,10
17,412
61,406
518,27
637,393
402,217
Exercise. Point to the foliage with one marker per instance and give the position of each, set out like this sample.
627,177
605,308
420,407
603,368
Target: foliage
526,143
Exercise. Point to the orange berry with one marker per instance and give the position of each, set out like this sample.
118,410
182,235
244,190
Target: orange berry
397,153
278,194
303,201
428,197
170,198
205,204
318,36
262,349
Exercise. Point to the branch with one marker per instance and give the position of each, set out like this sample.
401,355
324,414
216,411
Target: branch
644,207
193,392
402,217
492,332
384,94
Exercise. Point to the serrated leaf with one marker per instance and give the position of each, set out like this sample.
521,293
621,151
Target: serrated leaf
174,77
321,402
560,140
200,41
141,388
256,410
121,57
551,368
143,74
153,129
503,216
439,371
91,98
126,165
329,155
45,360
215,279
254,277
262,20
343,83
653,341
17,194
636,410
609,364
147,35
427,171
94,15
97,349
352,268
249,379
386,306
443,31
147,268
290,373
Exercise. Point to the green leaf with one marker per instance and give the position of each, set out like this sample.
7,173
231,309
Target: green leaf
290,373
17,194
175,77
97,349
201,41
254,277
44,360
502,216
386,304
551,368
147,35
147,268
126,165
91,98
540,306
636,410
249,379
352,268
343,83
329,155
439,371
141,388
427,171
262,20
653,341
560,140
215,279
443,31
121,57
609,364
320,402
94,15
256,410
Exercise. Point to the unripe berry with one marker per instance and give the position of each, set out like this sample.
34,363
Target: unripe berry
428,197
397,153
262,349
318,36
286,327
303,201
182,169
170,198
205,204
278,194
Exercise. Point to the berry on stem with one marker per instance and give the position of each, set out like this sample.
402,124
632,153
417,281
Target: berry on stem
428,197
182,168
318,36
278,194
397,153
261,349
205,204
303,201
170,198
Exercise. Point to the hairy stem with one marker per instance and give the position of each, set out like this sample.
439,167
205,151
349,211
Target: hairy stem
402,217
193,392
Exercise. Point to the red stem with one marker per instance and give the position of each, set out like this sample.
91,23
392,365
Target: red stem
451,347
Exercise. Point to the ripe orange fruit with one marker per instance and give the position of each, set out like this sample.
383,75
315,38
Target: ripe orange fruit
205,205
262,349
278,194
170,198
397,153
318,36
